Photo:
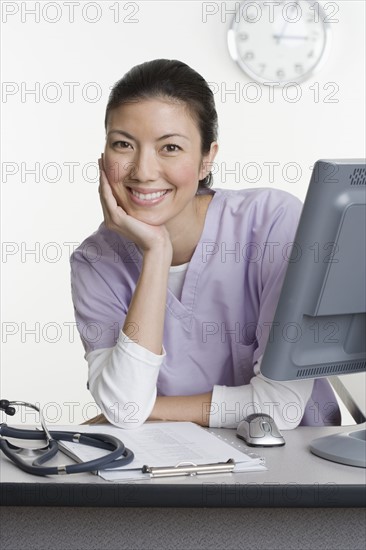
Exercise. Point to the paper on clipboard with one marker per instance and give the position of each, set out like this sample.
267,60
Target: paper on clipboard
163,444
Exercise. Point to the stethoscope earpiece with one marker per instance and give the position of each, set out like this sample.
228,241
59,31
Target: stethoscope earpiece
5,406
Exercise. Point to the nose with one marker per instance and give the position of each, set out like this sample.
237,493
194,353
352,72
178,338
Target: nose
145,166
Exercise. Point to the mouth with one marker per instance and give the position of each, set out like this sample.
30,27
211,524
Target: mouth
148,198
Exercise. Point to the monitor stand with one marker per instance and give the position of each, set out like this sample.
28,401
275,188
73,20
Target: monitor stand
346,448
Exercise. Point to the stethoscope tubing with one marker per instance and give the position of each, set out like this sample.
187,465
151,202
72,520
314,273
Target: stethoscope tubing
118,456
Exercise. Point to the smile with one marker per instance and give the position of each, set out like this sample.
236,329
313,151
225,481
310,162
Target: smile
148,198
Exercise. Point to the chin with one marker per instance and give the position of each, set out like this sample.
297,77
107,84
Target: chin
148,218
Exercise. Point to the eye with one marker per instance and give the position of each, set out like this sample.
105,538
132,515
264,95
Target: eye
122,144
170,145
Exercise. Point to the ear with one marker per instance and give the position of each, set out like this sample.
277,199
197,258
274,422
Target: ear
207,160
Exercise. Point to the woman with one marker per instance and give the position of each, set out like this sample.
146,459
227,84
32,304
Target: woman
175,292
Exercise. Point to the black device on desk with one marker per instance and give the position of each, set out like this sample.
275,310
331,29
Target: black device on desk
323,298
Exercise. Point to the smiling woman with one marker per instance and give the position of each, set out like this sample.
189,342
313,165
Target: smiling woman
174,318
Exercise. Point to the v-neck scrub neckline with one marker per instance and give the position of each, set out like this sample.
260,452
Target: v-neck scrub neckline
184,307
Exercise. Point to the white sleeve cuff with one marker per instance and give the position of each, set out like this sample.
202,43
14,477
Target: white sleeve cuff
229,405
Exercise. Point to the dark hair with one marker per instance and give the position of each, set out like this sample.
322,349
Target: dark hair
170,78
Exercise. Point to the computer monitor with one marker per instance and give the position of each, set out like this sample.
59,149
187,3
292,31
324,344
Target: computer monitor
319,328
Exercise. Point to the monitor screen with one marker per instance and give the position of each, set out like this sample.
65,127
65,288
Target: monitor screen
319,328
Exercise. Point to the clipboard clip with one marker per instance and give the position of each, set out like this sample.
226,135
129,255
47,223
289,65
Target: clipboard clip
190,469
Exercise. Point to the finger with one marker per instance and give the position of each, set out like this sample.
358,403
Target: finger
109,202
103,180
100,171
105,190
101,162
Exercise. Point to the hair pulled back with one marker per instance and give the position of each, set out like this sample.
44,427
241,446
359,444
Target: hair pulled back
174,80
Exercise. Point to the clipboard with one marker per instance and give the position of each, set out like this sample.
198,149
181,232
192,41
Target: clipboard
176,449
190,469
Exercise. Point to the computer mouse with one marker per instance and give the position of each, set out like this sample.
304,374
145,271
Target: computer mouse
260,430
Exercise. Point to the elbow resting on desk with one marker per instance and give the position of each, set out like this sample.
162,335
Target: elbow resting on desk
127,414
125,394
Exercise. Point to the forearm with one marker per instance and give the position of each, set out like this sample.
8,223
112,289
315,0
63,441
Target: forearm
183,408
284,401
144,322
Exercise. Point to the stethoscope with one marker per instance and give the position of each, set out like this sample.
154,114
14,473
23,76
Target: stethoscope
118,456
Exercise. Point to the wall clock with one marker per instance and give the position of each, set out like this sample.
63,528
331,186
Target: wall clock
281,42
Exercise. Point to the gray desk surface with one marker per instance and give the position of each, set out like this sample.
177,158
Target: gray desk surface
295,478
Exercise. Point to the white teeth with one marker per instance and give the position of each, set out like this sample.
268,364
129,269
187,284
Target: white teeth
149,196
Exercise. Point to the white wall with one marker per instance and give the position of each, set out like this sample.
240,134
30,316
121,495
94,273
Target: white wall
50,217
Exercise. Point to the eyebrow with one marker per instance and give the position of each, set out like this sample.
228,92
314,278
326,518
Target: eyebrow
129,136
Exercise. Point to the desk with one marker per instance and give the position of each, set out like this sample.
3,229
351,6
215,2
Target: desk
301,501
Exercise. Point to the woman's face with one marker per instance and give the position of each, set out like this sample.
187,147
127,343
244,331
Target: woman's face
154,146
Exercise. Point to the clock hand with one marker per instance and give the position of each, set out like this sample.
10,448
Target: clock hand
289,36
279,36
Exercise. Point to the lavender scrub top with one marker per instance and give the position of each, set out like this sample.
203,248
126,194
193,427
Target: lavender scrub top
219,328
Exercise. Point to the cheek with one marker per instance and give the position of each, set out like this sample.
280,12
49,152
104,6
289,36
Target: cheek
114,170
184,174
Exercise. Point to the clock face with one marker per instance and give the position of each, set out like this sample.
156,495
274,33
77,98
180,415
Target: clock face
279,42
